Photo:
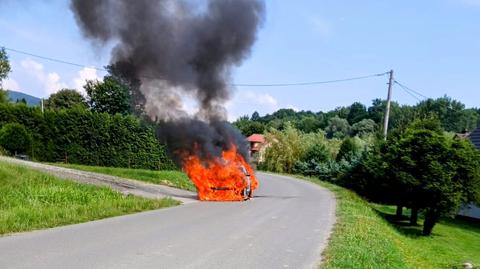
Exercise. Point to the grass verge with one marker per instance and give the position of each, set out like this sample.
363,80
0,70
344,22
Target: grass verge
364,238
32,200
175,179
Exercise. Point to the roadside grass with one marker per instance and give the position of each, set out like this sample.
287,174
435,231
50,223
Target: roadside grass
31,200
171,178
364,238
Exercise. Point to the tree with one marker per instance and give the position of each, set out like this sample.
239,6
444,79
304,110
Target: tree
364,127
3,97
315,155
286,148
341,112
467,159
452,114
4,65
248,127
4,70
125,74
65,99
431,172
400,116
109,96
337,128
357,113
349,150
255,116
309,124
14,138
22,101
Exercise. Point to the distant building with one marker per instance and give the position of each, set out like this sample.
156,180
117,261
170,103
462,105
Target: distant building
475,137
471,210
257,145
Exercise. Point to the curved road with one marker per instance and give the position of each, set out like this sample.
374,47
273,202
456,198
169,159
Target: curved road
286,225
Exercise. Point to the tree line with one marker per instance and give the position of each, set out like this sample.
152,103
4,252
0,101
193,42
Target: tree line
424,165
357,119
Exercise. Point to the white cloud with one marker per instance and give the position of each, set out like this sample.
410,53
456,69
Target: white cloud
261,99
51,82
244,102
10,84
85,74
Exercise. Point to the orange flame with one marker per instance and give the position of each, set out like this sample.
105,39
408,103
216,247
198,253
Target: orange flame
220,179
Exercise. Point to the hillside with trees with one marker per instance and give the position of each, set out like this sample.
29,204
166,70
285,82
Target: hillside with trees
357,119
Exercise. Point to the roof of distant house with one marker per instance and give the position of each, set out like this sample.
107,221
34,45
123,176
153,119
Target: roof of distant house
475,137
256,138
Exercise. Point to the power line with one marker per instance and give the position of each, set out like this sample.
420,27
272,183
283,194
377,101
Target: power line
410,90
411,94
234,84
309,83
54,60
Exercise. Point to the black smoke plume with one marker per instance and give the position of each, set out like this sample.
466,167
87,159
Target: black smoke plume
173,49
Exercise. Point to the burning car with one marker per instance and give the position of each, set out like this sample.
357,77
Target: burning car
226,178
246,192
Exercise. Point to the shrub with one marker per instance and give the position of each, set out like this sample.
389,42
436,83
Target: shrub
349,150
14,138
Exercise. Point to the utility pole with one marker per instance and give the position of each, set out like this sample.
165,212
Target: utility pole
387,110
42,105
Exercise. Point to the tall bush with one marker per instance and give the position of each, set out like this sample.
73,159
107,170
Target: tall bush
15,139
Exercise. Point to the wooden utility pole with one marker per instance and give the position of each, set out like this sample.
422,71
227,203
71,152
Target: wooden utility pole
387,110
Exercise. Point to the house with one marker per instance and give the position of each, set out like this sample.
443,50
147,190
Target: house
475,137
257,144
471,210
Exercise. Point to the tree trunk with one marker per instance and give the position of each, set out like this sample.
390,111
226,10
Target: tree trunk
414,216
431,218
399,213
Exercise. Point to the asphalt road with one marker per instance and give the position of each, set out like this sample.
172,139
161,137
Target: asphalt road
286,225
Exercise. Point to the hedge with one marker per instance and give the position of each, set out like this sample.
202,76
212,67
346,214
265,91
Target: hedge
83,137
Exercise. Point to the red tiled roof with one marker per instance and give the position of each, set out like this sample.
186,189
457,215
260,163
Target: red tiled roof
256,138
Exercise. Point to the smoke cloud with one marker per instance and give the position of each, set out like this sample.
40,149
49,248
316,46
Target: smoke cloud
176,48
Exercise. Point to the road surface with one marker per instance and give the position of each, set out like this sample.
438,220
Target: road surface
286,225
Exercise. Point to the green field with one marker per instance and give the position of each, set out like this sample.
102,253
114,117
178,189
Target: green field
175,179
364,238
32,200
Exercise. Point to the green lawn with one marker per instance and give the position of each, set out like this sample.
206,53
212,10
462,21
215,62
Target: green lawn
175,179
32,200
363,238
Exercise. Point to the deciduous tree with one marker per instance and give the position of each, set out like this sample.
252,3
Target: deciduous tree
109,95
65,99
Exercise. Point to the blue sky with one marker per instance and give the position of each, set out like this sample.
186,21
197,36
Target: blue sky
433,46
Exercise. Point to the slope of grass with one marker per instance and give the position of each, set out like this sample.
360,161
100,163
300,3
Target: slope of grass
32,200
364,238
175,179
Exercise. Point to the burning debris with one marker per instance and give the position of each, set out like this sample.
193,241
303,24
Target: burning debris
172,49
